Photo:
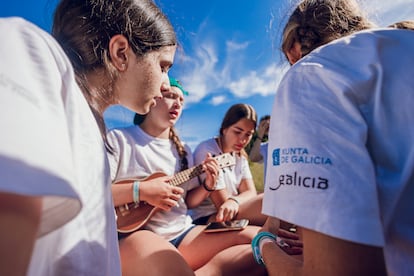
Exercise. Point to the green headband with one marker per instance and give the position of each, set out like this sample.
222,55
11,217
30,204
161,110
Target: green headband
176,83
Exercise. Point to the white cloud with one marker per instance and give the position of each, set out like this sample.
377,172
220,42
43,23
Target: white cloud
264,84
199,72
231,45
216,66
386,12
218,100
205,74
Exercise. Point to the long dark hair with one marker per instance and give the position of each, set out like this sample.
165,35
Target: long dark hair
84,28
234,114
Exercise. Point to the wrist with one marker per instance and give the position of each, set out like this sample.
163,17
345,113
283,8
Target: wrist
257,245
135,192
258,138
207,188
234,199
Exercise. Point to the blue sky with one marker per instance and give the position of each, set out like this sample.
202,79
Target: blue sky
228,53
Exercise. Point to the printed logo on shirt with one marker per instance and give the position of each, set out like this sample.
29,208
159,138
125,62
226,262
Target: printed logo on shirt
10,85
282,156
298,180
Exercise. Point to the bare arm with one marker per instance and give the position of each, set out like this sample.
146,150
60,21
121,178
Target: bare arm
247,190
229,206
157,192
197,195
20,218
325,255
254,154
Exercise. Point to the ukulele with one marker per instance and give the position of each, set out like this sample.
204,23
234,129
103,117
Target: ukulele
132,216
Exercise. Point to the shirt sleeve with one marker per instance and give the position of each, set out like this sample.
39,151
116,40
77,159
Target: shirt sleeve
246,173
113,156
36,157
319,172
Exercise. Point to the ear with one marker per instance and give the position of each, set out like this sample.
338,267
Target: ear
295,53
118,52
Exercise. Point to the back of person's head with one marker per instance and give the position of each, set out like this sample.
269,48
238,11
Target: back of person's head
405,24
265,117
316,22
237,112
84,28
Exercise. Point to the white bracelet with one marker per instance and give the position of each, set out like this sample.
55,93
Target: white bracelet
234,199
264,240
135,192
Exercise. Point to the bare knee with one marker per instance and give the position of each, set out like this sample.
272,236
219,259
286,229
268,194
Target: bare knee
145,253
247,234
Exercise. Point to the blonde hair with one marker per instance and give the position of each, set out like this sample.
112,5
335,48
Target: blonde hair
317,22
405,24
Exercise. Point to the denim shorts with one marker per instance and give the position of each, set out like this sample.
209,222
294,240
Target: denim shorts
176,242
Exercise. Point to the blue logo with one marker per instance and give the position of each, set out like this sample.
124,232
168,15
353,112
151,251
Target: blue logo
298,155
276,157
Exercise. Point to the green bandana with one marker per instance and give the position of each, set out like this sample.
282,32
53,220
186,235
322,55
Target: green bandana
176,83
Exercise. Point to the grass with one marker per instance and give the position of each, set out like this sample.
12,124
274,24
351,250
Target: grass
258,175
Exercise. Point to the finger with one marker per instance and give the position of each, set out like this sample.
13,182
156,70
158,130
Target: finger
211,168
208,169
232,214
175,197
165,207
294,243
171,203
293,250
219,216
287,234
208,155
228,215
177,190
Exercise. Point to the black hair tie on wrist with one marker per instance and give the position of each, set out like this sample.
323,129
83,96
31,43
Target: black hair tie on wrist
207,188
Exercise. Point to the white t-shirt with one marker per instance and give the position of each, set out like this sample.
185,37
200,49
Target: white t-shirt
51,146
138,155
229,177
341,154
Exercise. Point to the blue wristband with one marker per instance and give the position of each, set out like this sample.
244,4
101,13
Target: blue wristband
255,245
135,192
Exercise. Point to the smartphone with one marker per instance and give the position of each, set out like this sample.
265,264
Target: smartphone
230,225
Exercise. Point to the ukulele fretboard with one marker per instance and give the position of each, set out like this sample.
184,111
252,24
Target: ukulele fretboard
186,175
